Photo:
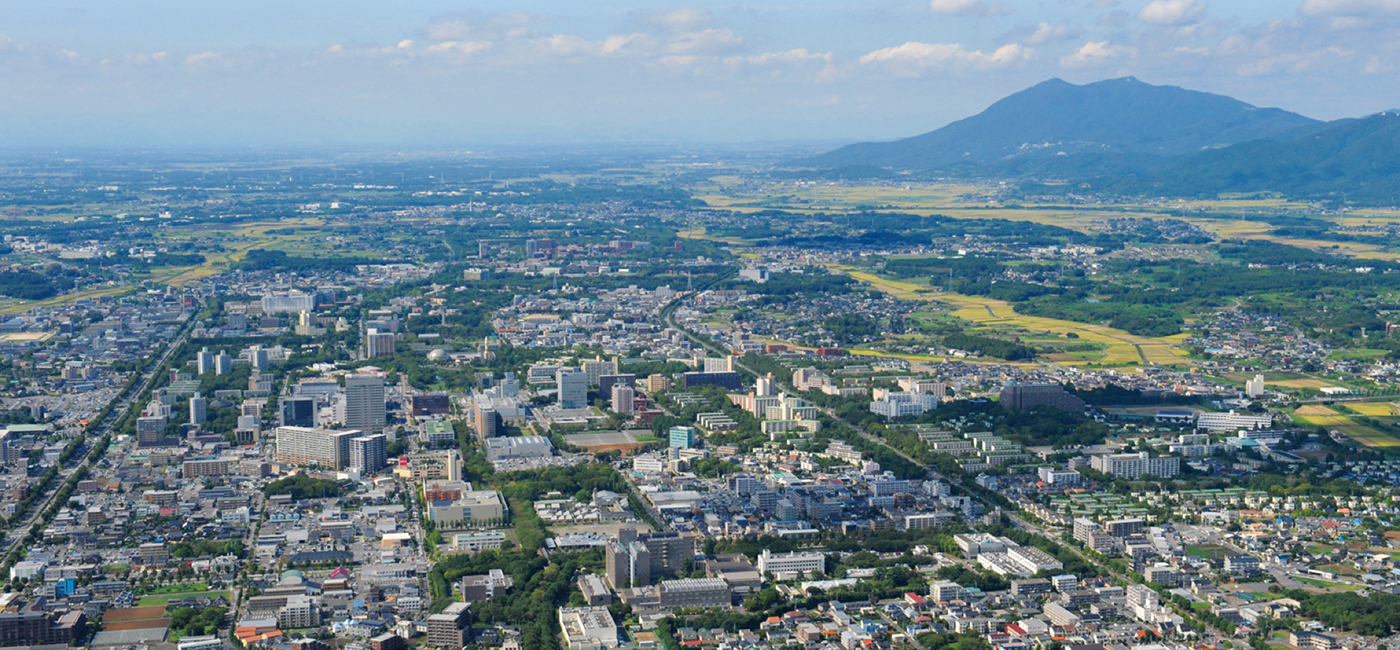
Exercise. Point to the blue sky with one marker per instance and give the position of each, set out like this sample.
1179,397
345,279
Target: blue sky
454,74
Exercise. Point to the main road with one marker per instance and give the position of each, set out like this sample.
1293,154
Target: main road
16,533
668,315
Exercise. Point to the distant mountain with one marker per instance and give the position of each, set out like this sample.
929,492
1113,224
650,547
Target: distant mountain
1056,128
1354,160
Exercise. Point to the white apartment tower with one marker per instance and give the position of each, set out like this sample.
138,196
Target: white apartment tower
622,399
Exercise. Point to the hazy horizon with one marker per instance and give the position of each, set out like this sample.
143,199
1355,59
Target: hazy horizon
435,75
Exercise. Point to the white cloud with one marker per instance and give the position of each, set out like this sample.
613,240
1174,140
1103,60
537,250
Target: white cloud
914,56
621,44
459,47
1172,12
684,19
1376,66
203,59
1048,33
790,56
1096,53
709,41
568,45
1350,7
478,26
968,7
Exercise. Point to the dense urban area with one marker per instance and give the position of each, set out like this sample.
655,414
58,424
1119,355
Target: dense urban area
648,404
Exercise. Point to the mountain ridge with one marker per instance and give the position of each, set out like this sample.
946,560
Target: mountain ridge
1058,119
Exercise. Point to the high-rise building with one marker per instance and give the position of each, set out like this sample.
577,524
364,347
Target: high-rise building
369,453
296,411
606,382
30,624
764,387
205,361
150,431
657,383
723,379
378,344
316,447
487,420
1030,396
683,437
1136,465
718,364
199,409
573,388
1255,387
622,399
258,357
451,628
290,303
635,560
596,368
223,363
430,404
629,565
364,402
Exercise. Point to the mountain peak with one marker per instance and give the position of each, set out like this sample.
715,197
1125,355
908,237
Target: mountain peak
1114,117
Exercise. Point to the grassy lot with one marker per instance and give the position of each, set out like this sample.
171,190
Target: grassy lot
162,599
1323,584
1210,551
180,589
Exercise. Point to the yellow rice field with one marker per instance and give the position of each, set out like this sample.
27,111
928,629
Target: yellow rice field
1373,409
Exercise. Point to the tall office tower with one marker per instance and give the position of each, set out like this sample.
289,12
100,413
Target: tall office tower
223,364
199,409
315,447
622,396
531,248
369,453
483,249
487,419
378,344
364,402
205,361
150,431
764,387
573,388
296,411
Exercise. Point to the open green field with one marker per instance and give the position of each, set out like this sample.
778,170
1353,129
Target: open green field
162,599
1207,551
1115,347
1324,584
